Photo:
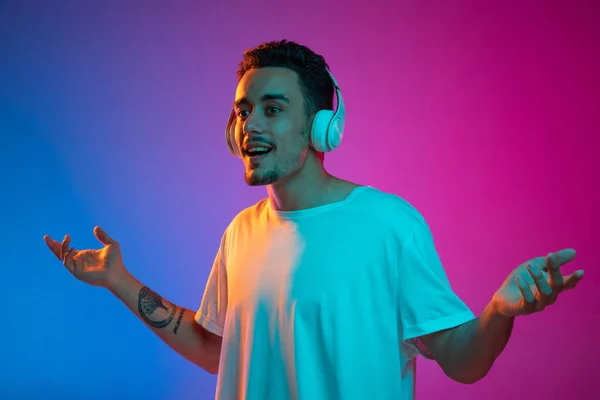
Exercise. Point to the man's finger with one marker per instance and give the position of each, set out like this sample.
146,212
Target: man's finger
64,247
77,261
103,236
556,277
53,245
541,283
68,261
572,280
528,297
562,257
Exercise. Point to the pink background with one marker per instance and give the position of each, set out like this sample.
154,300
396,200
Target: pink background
484,115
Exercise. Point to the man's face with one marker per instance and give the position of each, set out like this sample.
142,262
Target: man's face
271,125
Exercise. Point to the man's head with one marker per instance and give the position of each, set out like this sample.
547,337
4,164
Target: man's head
282,85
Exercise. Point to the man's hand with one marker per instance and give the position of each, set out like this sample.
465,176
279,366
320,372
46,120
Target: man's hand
96,267
535,284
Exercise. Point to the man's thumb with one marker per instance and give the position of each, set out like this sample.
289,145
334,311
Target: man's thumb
103,236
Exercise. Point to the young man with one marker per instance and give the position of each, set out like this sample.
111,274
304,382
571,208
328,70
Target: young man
325,289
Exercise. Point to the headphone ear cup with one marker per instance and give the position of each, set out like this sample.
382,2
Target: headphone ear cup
319,131
230,137
336,133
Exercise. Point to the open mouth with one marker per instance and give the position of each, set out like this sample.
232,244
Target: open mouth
257,153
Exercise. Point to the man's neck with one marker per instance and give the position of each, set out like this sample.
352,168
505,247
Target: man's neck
310,187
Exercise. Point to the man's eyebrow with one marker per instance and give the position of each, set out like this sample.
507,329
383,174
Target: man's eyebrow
263,98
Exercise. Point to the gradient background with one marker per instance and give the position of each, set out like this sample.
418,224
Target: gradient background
484,115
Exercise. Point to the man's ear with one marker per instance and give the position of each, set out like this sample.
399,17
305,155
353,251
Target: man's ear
310,120
309,123
321,157
307,129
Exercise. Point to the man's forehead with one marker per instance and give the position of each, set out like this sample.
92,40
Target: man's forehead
260,81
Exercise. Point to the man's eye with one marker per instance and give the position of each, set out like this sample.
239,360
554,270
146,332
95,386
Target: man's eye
273,110
242,113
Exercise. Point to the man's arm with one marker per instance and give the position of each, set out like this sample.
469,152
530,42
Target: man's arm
467,352
173,324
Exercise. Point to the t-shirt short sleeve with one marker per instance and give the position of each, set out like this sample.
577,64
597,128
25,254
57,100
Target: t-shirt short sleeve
213,308
426,303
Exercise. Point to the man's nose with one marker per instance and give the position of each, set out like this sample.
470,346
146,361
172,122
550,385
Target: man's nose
253,124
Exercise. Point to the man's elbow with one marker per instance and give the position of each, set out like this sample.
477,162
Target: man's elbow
213,370
467,380
209,354
468,377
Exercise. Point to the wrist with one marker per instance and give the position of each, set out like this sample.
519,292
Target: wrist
492,313
498,326
119,280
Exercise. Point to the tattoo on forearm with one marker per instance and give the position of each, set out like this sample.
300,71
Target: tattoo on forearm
178,321
154,310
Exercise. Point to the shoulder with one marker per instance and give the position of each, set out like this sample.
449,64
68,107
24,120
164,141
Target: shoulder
390,208
240,223
248,215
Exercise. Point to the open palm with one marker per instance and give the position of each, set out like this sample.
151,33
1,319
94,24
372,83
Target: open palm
91,266
536,284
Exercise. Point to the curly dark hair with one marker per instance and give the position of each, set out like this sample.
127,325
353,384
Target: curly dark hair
314,80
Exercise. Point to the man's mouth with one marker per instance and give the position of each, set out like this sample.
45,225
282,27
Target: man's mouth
257,153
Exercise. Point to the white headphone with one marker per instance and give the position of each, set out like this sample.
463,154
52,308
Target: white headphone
326,132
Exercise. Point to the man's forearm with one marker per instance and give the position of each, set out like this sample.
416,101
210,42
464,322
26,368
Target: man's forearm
173,324
474,346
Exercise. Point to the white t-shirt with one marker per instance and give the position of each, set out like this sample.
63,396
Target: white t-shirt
323,303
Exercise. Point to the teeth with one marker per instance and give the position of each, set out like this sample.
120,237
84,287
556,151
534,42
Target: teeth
257,149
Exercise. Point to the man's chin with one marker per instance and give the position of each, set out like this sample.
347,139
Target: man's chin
256,178
254,182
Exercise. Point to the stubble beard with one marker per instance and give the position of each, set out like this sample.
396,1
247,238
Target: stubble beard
256,178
